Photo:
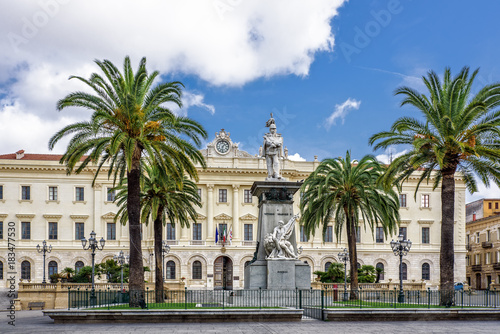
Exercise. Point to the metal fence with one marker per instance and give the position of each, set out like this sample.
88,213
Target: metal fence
313,302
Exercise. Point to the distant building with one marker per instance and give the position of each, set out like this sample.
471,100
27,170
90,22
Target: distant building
42,202
482,208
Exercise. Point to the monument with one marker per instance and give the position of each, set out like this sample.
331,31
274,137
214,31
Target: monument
275,264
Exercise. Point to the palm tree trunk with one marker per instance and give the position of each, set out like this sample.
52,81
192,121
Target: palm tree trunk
136,278
158,229
447,255
353,257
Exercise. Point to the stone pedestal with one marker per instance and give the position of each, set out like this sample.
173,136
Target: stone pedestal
275,204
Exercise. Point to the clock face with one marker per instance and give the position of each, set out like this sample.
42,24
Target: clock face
222,146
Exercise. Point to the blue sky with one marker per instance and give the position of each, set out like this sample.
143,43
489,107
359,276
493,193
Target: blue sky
326,69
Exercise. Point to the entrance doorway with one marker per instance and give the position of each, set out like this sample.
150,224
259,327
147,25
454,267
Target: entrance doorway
478,281
223,273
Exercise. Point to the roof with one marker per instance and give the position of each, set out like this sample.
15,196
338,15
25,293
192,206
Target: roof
20,155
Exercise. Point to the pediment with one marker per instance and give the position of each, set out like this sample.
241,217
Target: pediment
201,217
109,215
248,216
223,216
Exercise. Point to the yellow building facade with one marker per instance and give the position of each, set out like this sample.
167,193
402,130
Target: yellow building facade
41,202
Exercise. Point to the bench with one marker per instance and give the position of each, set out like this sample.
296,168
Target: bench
36,304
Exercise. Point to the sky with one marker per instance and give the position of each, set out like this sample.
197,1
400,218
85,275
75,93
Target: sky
326,69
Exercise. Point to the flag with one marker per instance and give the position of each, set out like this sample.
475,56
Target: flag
216,235
224,235
230,234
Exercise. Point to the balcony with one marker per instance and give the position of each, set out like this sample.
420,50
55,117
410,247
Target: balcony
172,242
197,242
468,247
486,244
496,266
476,267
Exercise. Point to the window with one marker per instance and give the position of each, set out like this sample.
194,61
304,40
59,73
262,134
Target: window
1,192
425,235
477,259
248,196
196,231
1,230
79,231
380,267
26,270
170,270
402,200
403,232
303,236
358,234
52,193
327,265
487,258
426,271
53,231
477,237
405,272
26,230
196,270
379,234
425,201
329,234
199,192
170,231
1,270
79,194
111,195
111,235
222,195
222,229
489,205
78,265
488,235
52,268
248,232
25,193
496,205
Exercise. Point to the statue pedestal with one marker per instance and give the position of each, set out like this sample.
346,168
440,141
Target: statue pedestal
275,204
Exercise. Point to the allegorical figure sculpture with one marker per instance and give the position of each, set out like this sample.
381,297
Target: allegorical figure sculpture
277,245
273,150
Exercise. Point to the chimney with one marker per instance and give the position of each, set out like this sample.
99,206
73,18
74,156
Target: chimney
474,216
19,154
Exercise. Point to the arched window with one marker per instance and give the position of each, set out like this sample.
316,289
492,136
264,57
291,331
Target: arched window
426,271
380,266
52,268
358,265
1,270
405,272
247,263
170,270
327,265
26,270
78,266
196,270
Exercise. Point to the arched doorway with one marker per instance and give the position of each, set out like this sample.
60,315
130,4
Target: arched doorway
223,273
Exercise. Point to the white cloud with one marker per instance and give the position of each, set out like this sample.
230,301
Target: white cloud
225,43
296,157
492,192
341,111
390,153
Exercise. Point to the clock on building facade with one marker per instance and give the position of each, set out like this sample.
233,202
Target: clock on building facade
222,146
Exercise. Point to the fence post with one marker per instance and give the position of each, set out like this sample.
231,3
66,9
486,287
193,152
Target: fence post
428,298
109,295
223,293
260,298
395,298
495,297
462,297
300,299
185,297
487,295
69,300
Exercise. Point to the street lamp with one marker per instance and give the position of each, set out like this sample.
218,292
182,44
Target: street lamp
93,245
121,259
44,249
401,247
164,251
344,257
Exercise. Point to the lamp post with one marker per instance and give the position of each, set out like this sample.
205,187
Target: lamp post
400,248
344,257
121,260
44,249
164,251
93,245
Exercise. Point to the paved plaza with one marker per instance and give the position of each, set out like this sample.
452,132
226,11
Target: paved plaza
28,322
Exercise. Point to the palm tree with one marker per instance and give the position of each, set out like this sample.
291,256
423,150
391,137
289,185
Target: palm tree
129,121
459,133
347,192
162,197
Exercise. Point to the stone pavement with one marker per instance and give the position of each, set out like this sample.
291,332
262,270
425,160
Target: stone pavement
28,322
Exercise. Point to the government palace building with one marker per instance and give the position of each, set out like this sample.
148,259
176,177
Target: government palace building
42,202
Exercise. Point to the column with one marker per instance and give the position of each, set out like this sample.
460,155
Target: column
98,227
184,233
236,206
210,213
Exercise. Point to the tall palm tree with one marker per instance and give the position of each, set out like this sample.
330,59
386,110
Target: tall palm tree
130,120
349,192
458,133
162,197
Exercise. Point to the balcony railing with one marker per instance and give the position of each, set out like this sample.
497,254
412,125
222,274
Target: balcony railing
198,242
476,267
486,244
172,242
496,266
